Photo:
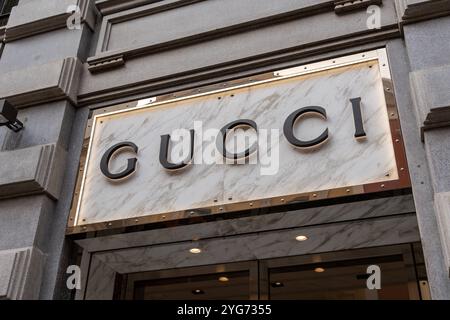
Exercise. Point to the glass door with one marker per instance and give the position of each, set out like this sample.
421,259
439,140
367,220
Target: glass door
216,282
345,275
324,276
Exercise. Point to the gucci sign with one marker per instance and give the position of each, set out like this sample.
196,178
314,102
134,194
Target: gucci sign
319,131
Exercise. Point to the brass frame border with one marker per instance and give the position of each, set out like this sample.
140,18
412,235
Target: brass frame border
402,182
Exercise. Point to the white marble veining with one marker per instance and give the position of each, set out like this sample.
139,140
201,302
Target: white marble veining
342,161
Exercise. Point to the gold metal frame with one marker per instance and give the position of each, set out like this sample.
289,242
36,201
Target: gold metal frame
402,182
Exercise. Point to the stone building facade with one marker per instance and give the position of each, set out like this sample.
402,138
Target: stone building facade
63,60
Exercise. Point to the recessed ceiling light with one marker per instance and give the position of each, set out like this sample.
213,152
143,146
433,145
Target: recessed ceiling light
224,279
198,291
301,238
195,250
319,270
277,284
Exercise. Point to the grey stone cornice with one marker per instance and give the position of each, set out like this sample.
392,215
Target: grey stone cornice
108,57
442,206
25,87
2,33
222,73
112,6
431,95
31,171
33,17
20,273
417,10
343,6
108,62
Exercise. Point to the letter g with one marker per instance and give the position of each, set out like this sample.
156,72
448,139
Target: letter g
131,166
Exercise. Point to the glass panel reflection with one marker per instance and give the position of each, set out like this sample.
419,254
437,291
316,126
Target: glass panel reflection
226,286
342,280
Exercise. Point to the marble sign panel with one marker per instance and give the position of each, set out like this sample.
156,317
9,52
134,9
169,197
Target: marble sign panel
277,169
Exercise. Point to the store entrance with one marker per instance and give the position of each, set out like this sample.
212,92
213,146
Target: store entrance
334,275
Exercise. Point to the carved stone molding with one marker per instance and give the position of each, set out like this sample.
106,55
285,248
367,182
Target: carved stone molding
33,17
222,72
106,63
431,94
20,273
442,204
343,6
2,34
28,86
114,47
32,170
417,10
112,6
140,56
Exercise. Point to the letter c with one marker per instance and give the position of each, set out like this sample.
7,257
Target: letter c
222,136
131,166
288,127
